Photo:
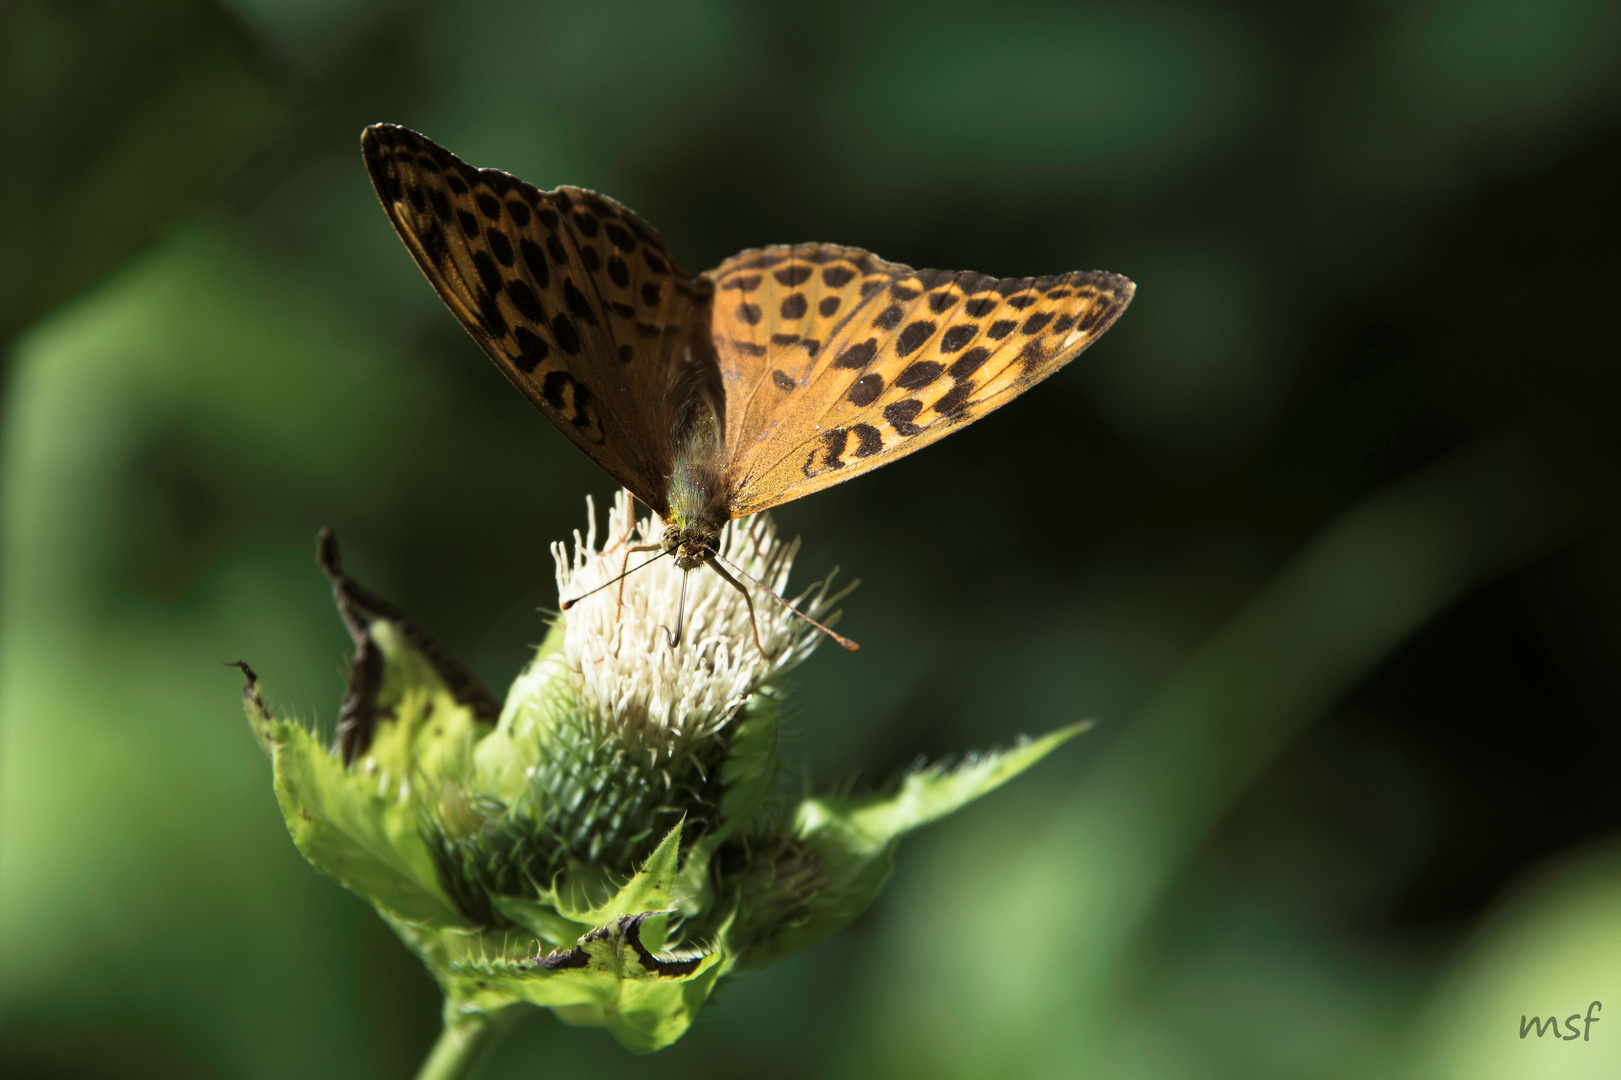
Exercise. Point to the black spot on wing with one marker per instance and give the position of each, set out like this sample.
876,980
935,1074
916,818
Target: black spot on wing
957,336
918,375
532,349
488,273
566,334
489,313
913,337
889,318
524,299
434,244
577,304
866,389
901,414
568,396
869,440
857,356
535,262
961,372
834,442
500,246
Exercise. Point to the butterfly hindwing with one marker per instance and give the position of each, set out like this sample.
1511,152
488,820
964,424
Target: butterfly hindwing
574,298
897,358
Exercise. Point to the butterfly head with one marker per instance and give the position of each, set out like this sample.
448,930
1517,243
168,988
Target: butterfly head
692,545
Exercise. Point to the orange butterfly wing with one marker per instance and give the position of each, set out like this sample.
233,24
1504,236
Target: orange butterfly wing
576,300
836,362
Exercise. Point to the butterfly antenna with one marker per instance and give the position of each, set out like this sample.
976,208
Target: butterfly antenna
680,614
566,604
840,638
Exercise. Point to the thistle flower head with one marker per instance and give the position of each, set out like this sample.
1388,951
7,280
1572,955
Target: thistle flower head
621,809
629,679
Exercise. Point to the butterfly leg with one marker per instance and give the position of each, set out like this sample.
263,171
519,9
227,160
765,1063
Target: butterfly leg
753,624
619,597
716,559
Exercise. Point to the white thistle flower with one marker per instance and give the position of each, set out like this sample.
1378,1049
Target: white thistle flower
628,678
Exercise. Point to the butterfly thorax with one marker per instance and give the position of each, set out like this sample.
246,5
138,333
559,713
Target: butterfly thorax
697,512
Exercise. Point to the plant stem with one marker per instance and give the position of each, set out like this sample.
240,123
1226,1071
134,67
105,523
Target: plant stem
465,1042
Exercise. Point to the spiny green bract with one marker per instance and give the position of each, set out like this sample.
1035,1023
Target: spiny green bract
549,857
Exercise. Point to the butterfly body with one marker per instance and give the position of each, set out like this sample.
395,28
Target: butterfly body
781,372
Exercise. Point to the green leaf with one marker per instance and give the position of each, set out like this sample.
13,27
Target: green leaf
423,733
610,979
853,839
351,829
650,891
866,825
542,919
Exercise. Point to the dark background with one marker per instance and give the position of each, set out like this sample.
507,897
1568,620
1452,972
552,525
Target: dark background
1322,533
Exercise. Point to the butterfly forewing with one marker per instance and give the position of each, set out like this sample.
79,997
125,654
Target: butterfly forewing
897,358
575,299
774,310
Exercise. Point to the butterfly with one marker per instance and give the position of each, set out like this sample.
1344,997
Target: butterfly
783,371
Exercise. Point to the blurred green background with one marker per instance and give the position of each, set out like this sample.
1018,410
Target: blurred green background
1323,533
